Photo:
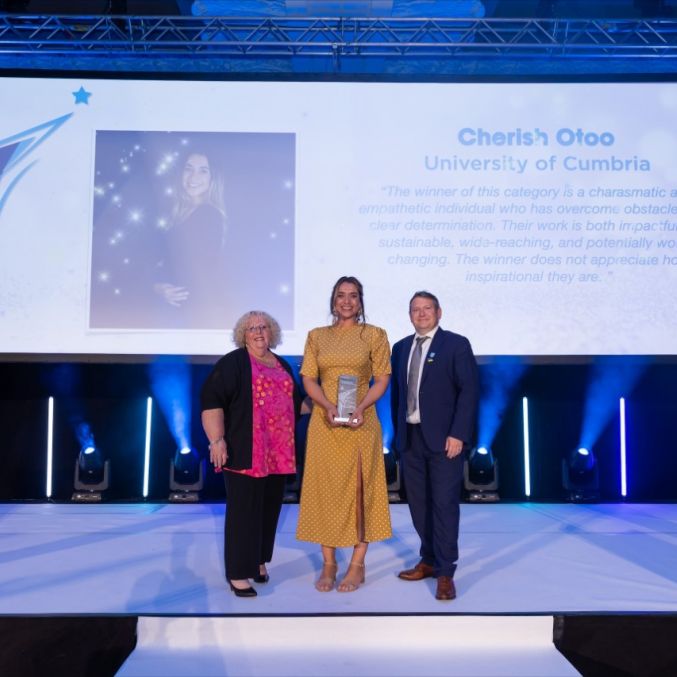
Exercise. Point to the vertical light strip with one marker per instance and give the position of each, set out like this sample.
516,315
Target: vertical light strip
624,483
146,458
50,445
527,470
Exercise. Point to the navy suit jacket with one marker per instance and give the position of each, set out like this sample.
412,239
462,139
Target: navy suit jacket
448,392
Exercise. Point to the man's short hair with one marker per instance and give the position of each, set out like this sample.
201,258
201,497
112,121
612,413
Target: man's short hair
425,295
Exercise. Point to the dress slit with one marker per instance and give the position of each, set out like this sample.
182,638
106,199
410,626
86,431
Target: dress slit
359,500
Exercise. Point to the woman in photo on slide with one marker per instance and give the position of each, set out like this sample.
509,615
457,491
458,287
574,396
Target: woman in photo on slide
344,498
249,403
190,275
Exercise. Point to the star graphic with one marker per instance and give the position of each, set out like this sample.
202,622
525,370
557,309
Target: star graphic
82,96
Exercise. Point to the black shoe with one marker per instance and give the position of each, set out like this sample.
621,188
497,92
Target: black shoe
261,578
244,592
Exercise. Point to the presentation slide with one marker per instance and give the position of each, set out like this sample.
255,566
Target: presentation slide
144,217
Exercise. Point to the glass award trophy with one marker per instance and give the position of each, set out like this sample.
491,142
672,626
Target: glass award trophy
347,398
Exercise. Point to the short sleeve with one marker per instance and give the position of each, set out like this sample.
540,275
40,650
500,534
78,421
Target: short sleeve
380,353
309,367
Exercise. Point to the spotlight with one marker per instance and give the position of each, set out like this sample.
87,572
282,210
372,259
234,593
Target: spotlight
392,466
580,476
91,475
480,476
186,476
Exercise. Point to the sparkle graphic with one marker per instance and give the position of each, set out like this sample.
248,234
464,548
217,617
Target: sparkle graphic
117,236
136,216
82,96
103,276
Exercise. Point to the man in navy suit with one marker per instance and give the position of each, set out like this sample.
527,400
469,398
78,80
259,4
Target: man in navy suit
435,391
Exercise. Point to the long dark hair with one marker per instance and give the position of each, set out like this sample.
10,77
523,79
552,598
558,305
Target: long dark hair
183,206
360,291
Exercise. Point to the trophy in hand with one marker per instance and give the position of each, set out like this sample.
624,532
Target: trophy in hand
347,398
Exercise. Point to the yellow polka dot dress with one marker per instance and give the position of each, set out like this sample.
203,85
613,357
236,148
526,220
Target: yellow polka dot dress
328,509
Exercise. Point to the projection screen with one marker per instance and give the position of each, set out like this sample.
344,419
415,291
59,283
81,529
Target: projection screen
144,217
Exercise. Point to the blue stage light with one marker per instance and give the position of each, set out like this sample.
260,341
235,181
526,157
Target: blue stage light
580,476
186,476
480,476
91,473
146,454
525,437
624,481
50,445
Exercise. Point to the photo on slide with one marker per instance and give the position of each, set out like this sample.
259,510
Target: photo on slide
191,229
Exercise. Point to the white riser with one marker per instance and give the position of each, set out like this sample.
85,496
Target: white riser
491,646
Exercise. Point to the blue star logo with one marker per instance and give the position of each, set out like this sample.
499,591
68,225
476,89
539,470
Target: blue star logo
82,96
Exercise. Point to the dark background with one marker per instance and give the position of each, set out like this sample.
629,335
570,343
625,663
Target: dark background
111,397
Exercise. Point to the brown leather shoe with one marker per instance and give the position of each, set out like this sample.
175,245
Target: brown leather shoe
418,573
445,588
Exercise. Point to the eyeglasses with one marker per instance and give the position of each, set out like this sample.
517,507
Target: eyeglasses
258,328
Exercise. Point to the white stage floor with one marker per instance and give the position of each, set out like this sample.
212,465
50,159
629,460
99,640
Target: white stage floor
157,559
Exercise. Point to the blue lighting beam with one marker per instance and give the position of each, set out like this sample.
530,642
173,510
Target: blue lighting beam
170,383
499,381
609,380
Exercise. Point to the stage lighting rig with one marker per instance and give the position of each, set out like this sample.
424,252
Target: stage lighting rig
580,476
480,476
186,476
91,475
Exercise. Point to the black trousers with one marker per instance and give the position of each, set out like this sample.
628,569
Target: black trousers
252,509
433,485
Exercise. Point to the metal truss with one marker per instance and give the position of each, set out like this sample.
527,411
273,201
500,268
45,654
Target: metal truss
339,38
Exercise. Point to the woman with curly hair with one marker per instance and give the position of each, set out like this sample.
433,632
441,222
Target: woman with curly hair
250,403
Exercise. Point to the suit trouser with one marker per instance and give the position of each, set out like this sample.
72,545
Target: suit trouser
433,485
252,509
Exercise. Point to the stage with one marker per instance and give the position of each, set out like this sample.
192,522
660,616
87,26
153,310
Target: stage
156,559
522,567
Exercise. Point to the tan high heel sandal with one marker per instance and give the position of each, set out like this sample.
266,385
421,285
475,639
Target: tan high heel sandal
349,586
326,583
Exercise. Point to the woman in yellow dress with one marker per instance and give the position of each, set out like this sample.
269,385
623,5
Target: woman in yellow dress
344,499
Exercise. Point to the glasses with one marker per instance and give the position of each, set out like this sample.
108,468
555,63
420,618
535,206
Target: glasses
258,328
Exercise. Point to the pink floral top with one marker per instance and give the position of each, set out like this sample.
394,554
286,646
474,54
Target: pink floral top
273,409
